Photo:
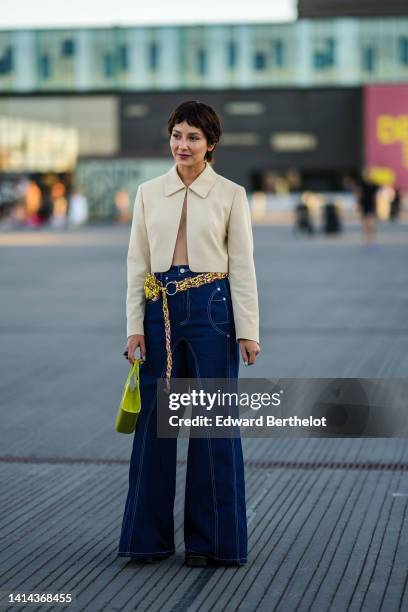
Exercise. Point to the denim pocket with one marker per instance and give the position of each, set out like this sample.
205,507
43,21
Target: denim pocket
218,306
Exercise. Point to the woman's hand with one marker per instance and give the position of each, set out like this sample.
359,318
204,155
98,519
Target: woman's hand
132,343
249,350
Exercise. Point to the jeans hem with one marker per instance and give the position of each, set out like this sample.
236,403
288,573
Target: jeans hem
228,560
136,555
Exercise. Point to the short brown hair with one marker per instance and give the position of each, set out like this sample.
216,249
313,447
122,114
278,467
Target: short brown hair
198,114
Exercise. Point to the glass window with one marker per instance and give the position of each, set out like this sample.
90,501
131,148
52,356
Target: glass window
319,60
330,52
45,66
123,57
231,54
108,65
201,61
403,50
153,56
242,107
240,139
324,54
278,53
6,61
259,61
68,47
369,58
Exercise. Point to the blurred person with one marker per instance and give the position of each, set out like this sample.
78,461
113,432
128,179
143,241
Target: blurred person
33,200
78,208
57,190
190,226
395,205
59,213
331,218
46,208
384,197
367,202
122,203
12,202
274,182
303,214
303,221
59,206
365,192
17,214
294,179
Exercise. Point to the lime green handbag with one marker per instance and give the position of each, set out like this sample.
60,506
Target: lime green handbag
130,404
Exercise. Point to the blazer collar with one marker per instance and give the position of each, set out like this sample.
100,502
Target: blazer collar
201,185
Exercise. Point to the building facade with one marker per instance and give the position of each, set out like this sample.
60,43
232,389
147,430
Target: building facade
306,53
290,96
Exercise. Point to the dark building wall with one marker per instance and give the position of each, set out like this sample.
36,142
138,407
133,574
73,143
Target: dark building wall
331,116
351,8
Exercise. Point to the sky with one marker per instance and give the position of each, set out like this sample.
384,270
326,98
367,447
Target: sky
56,13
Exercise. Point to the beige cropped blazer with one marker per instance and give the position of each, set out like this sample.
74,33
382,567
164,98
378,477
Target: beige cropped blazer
219,239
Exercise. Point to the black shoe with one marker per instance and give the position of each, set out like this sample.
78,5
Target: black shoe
146,560
197,560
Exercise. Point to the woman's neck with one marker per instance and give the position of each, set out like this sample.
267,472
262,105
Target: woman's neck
189,174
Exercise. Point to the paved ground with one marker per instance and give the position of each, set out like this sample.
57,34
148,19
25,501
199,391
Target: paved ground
326,517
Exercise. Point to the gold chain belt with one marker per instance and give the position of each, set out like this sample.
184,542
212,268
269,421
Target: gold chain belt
152,290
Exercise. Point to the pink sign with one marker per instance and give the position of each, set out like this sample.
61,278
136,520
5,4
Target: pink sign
386,133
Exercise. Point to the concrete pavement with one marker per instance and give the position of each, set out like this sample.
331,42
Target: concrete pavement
326,517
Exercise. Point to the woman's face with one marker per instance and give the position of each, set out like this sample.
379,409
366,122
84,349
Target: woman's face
188,144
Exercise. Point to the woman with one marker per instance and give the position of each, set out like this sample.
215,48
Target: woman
366,192
191,237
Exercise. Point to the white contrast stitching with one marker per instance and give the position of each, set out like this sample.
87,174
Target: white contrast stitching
214,492
136,494
187,319
195,359
215,557
154,552
235,495
210,319
139,476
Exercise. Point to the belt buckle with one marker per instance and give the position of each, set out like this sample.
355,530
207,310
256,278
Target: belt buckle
171,283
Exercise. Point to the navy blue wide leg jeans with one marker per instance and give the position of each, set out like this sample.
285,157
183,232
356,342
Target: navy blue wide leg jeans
203,346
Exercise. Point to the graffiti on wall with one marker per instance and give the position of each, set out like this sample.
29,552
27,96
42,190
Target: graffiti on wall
386,133
107,182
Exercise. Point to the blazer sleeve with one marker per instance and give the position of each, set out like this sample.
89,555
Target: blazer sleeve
241,268
138,265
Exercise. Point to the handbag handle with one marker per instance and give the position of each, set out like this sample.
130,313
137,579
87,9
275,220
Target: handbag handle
134,371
